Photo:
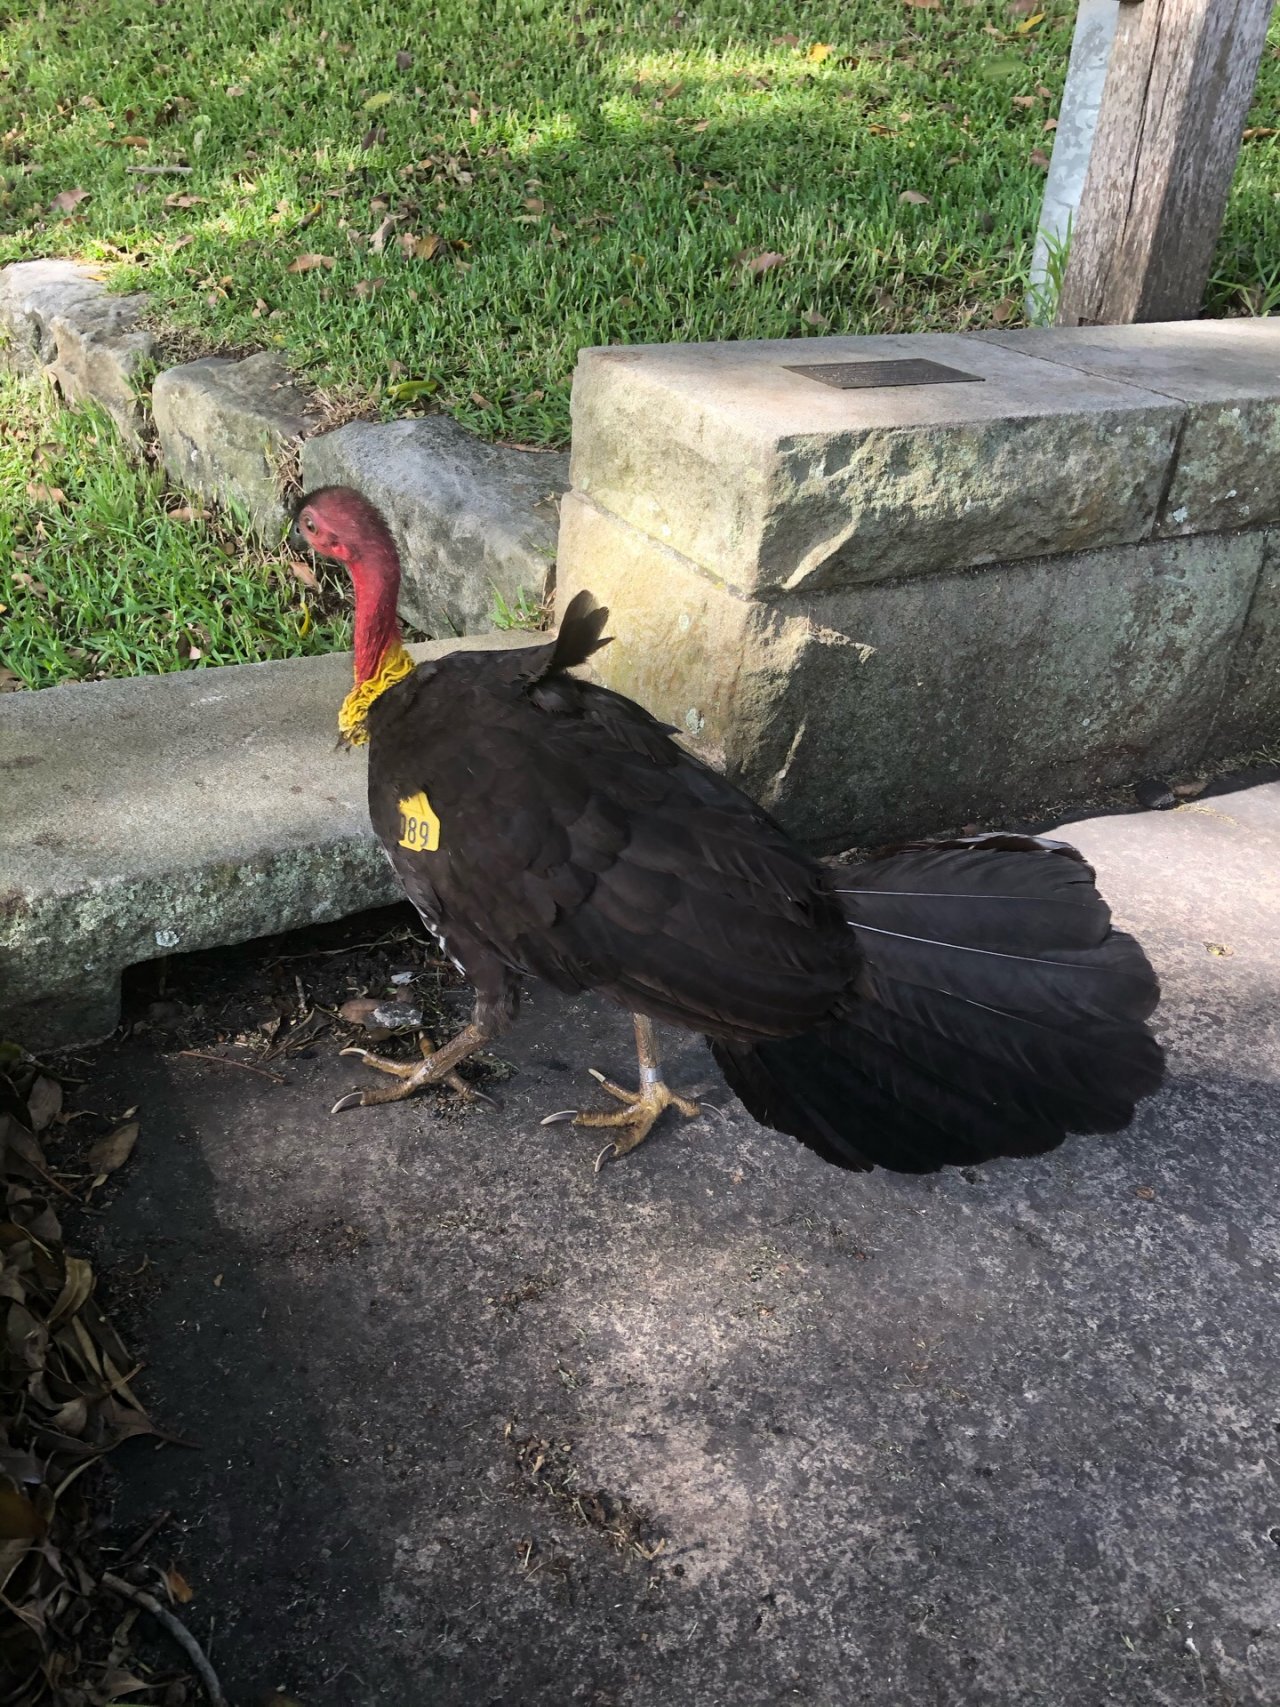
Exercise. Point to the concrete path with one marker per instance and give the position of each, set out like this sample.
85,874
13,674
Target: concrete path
1007,1436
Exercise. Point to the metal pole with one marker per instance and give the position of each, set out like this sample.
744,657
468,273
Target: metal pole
1072,144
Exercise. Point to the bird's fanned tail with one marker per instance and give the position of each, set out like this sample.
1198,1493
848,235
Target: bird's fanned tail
997,1011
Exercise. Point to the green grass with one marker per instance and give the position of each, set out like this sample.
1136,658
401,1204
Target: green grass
98,576
582,174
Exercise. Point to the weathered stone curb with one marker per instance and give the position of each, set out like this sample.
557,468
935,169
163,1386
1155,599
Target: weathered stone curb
58,315
474,520
885,608
477,522
161,814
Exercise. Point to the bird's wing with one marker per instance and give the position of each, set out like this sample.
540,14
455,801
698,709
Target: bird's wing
579,843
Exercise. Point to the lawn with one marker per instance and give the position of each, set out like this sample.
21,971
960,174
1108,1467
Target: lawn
437,206
103,572
467,194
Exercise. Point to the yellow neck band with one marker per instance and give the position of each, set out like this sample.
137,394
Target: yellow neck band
395,666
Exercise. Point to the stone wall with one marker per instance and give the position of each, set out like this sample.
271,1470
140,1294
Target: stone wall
892,607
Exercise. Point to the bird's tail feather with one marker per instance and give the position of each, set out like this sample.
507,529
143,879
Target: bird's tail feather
581,633
996,1012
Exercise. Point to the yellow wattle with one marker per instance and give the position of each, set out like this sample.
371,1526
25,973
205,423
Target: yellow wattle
395,666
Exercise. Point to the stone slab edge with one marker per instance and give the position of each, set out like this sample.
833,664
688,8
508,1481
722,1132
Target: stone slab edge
283,835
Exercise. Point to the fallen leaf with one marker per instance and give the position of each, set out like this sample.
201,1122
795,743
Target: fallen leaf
180,198
419,248
308,263
359,1010
375,103
365,288
535,204
785,41
1045,93
819,51
19,1519
1039,158
403,60
39,493
374,137
1257,130
811,317
178,1586
186,514
1051,124
702,124
1222,950
1024,100
765,263
924,5
10,681
377,241
44,1103
1145,1192
303,572
182,242
67,201
1030,23
1004,310
1020,8
235,90
114,1150
914,197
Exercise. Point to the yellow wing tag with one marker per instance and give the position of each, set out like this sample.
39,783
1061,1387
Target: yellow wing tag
419,826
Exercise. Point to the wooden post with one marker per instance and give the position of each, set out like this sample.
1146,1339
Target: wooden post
1178,88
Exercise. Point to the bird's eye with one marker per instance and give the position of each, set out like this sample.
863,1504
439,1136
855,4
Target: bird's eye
309,524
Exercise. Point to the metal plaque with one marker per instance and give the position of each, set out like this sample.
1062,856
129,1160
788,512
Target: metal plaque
857,376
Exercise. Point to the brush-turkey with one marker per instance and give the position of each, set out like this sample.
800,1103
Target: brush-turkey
943,1002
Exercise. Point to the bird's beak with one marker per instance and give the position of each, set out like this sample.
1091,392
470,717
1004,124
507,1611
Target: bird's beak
296,543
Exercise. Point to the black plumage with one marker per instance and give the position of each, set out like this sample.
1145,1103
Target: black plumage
941,1003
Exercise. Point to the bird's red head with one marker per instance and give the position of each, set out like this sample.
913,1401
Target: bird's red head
342,525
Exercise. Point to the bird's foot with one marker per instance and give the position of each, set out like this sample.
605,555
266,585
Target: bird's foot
634,1120
437,1067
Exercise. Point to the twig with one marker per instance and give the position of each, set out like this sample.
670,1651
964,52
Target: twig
226,1061
176,1628
154,171
152,1529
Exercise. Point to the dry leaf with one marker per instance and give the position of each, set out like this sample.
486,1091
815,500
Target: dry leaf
308,263
187,514
182,242
235,90
1024,100
924,5
819,51
811,317
44,1103
1004,310
1145,1192
765,263
403,60
1039,158
914,197
1222,950
1258,130
785,41
180,199
358,1011
114,1150
535,204
10,681
19,1519
178,1586
365,288
1051,124
39,493
419,248
67,201
702,124
1020,8
378,241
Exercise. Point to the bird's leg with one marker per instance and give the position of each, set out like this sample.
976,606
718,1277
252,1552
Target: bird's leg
495,1008
436,1068
641,1108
